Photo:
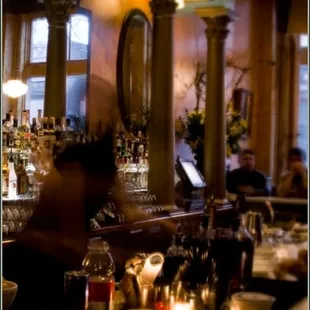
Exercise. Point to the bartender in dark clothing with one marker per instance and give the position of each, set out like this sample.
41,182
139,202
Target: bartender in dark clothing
246,179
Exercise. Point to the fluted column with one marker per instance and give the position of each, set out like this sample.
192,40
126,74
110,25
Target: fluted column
56,77
217,21
162,131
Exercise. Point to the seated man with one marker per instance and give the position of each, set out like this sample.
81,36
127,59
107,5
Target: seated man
294,182
246,179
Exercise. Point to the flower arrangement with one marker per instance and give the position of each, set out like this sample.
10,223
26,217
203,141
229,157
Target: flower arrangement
190,127
192,130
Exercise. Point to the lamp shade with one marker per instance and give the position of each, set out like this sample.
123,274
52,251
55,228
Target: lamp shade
14,88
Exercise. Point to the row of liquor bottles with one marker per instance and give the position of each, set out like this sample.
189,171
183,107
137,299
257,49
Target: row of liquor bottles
43,130
18,175
29,150
46,132
130,148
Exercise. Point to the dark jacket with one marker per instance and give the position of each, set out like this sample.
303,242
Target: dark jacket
243,177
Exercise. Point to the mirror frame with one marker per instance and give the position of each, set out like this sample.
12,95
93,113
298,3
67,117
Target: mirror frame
119,65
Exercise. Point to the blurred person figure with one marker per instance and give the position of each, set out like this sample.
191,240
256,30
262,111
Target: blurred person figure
294,182
55,238
246,179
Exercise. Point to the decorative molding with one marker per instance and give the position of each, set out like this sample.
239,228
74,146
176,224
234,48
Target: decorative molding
217,27
58,12
216,12
163,8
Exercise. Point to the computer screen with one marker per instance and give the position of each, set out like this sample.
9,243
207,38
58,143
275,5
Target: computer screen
192,173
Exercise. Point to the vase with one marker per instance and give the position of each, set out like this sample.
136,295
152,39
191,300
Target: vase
228,163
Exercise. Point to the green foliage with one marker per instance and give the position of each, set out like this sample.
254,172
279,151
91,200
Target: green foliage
192,130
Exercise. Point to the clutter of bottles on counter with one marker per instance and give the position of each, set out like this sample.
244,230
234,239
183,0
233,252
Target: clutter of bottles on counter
200,260
204,270
132,159
28,151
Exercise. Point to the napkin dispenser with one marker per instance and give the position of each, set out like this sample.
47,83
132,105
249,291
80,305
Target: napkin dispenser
141,272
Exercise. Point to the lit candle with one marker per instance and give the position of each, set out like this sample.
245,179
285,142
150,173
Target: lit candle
181,306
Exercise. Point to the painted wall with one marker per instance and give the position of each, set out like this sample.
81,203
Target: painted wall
190,41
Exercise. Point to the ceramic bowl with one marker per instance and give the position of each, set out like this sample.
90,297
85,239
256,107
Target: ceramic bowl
253,301
8,293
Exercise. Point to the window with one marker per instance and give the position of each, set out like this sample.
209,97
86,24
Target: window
303,124
35,95
303,108
76,90
78,38
39,38
303,41
35,63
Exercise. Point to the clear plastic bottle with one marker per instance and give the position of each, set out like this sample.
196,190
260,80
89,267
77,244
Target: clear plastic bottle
98,263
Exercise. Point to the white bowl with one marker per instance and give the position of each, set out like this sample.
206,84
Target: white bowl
9,290
253,301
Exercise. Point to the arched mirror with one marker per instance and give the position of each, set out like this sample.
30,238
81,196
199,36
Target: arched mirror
134,71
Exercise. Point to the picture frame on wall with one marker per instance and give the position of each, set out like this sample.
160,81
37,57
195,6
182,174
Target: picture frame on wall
242,103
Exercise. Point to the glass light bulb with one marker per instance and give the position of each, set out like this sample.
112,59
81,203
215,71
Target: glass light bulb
14,88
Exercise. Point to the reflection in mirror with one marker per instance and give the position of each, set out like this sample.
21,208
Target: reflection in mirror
134,71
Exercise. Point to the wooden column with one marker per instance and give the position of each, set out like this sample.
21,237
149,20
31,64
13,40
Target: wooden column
217,20
162,131
56,62
286,59
263,58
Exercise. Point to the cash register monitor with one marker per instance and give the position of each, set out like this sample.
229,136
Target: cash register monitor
190,187
190,173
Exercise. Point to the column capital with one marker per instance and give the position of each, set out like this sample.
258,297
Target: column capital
216,12
217,20
162,8
58,11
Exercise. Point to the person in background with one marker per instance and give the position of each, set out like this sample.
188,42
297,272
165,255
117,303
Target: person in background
294,182
246,179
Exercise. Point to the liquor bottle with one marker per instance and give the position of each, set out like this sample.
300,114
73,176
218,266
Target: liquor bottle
101,282
69,125
40,116
70,136
11,117
34,126
58,125
28,120
23,128
6,131
63,124
7,123
138,142
5,174
45,126
39,123
51,126
118,144
22,178
12,191
16,137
